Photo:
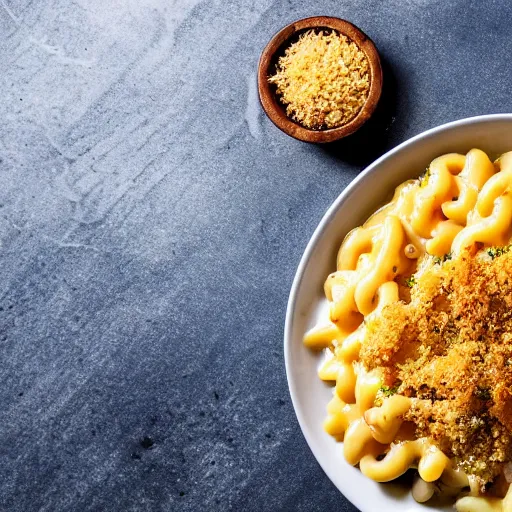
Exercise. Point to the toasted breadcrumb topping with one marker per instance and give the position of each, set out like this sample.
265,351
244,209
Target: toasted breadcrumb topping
450,350
323,79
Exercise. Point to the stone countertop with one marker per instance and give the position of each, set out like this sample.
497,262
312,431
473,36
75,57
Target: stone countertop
151,221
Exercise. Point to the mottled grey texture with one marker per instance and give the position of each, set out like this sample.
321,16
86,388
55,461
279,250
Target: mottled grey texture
151,221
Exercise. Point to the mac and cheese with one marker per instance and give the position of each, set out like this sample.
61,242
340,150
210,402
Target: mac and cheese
419,335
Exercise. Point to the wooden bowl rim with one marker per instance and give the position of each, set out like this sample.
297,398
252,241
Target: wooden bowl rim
273,107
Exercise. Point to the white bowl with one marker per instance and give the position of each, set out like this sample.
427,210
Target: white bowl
372,188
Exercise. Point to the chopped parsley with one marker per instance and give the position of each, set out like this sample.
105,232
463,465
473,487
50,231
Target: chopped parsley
494,252
425,177
482,393
438,260
410,281
388,391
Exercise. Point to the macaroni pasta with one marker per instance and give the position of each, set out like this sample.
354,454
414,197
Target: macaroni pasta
460,207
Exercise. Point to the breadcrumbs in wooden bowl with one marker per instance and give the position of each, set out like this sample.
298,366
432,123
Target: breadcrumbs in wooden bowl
320,79
323,79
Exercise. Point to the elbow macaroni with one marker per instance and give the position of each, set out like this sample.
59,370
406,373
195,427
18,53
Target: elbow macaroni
464,201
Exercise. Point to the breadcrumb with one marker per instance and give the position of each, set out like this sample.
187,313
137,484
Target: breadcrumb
323,79
450,350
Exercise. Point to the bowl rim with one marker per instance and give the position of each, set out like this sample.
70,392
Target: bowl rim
274,109
352,495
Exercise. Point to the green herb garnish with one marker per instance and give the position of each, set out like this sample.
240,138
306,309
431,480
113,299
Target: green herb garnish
425,177
389,391
438,260
482,393
494,252
410,281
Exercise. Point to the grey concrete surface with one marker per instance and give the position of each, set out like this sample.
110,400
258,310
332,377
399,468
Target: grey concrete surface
151,221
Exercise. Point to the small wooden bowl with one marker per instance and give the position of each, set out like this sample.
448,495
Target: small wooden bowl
275,109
